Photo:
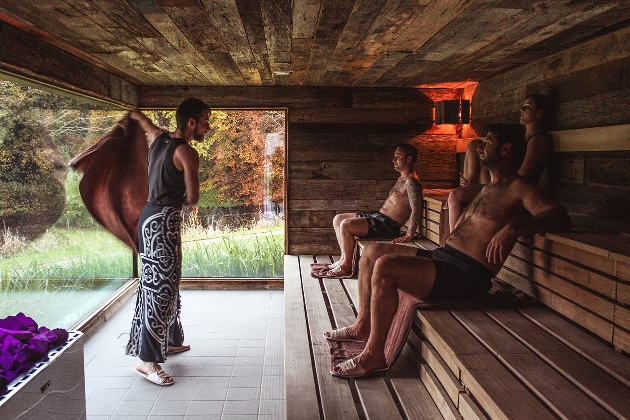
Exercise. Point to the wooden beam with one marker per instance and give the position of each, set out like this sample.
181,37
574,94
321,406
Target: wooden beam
24,55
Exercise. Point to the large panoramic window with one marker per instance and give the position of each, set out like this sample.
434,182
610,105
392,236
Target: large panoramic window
237,228
57,264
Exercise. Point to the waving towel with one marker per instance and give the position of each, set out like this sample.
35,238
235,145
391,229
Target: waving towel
115,183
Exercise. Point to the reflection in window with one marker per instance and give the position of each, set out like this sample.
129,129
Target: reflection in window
56,263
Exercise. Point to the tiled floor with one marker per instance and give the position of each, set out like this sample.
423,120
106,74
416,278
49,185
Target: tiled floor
233,371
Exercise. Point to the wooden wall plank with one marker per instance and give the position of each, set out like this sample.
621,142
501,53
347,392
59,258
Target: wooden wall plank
589,85
24,55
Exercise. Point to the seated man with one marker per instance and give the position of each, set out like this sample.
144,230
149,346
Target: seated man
507,207
534,116
404,203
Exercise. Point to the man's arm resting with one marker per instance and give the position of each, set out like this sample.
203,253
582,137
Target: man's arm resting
553,219
414,191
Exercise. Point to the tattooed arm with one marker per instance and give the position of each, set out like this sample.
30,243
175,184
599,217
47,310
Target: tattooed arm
414,192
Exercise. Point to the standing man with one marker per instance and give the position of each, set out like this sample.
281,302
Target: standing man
173,181
506,208
404,203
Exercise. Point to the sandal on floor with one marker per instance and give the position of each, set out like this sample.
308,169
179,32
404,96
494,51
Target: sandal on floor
352,369
159,378
320,266
341,334
177,349
335,273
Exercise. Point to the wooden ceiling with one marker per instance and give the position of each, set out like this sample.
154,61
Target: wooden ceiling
359,43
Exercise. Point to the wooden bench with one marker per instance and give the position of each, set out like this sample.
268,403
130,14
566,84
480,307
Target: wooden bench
501,363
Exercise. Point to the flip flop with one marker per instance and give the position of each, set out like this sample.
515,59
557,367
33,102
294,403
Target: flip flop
159,378
335,273
352,369
341,334
177,349
319,266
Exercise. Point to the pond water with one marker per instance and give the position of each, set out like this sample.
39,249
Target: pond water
55,304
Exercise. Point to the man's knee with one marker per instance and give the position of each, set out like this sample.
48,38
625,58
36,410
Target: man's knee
373,252
384,267
340,218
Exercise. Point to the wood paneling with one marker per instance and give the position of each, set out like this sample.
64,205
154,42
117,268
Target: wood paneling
590,89
340,159
23,54
352,43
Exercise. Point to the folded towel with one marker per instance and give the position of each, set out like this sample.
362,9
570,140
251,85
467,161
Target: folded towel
22,344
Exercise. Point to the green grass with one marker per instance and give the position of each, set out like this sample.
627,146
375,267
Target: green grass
77,255
70,254
64,275
235,255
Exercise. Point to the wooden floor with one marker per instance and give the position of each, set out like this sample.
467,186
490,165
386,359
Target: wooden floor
508,363
313,306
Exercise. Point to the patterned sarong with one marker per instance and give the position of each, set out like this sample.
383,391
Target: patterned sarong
156,323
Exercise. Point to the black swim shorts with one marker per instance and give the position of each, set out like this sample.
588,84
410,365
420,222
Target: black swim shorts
459,276
380,226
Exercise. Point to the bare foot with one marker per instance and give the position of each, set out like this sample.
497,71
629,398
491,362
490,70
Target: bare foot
178,349
345,334
153,372
361,365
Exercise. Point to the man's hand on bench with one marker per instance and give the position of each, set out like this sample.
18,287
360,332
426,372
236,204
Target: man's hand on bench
407,238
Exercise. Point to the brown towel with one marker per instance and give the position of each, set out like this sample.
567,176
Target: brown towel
115,183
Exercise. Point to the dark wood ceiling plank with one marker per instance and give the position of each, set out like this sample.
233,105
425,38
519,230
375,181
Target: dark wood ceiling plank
27,56
277,18
334,15
53,40
50,24
180,70
300,52
305,17
252,18
131,63
122,14
226,19
548,22
465,34
380,43
437,14
532,20
224,65
197,25
163,23
382,65
361,18
394,18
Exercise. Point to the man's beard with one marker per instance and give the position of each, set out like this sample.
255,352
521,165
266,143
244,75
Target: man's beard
490,160
198,137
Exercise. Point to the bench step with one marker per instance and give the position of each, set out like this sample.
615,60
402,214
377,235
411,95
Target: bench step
507,363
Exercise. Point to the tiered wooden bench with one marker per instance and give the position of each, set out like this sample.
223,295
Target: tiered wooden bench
497,363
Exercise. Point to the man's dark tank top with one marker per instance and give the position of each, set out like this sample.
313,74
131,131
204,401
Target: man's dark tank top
166,182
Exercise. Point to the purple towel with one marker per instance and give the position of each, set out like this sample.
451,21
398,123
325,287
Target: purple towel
22,344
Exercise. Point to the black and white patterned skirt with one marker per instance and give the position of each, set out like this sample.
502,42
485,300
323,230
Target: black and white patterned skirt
156,322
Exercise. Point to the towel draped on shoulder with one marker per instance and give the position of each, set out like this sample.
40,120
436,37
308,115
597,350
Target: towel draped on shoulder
115,182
